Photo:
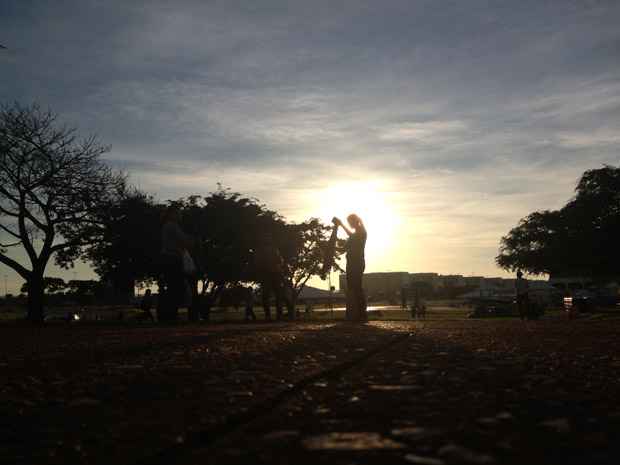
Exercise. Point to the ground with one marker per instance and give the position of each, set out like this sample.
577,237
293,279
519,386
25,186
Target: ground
431,392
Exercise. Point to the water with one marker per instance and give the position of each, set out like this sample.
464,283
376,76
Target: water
371,308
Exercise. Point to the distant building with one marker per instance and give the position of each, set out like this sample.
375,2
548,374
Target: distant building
431,279
380,284
453,280
473,280
567,284
390,284
497,287
315,295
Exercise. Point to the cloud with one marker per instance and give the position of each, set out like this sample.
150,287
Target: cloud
580,139
576,99
471,114
427,132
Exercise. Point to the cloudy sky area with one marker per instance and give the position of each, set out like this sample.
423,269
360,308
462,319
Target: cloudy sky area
441,122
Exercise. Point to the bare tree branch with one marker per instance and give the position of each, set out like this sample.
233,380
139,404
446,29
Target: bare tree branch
10,231
22,271
51,186
9,245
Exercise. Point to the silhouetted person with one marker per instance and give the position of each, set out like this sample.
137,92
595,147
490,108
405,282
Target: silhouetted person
249,304
522,289
270,268
174,244
418,308
356,264
147,305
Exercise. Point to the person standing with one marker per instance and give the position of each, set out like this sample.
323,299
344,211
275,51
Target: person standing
175,244
403,297
418,307
522,289
270,269
356,264
248,297
146,305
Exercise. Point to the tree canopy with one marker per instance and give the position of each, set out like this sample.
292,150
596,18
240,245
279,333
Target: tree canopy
227,227
578,239
58,199
128,244
304,252
51,285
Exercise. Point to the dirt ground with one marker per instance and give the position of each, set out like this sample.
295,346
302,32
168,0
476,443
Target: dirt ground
435,392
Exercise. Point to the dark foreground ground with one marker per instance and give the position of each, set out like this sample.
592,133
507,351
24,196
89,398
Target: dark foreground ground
433,392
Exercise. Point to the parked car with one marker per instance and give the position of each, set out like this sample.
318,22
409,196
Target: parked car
590,300
486,307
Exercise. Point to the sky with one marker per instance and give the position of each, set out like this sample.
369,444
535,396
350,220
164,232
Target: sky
441,123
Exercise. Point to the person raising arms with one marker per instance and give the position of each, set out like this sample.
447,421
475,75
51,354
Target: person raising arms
356,264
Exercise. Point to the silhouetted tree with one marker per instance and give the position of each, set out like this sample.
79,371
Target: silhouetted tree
83,286
580,238
227,227
50,285
85,291
51,187
303,249
129,245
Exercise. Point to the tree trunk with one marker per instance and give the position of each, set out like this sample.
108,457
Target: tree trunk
296,292
291,301
124,287
161,297
36,291
194,309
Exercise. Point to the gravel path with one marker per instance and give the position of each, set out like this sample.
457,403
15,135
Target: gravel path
434,392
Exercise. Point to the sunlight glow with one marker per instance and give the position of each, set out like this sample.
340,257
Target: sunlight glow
372,202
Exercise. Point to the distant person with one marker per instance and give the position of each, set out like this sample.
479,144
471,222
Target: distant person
175,244
403,298
270,269
147,305
415,305
522,289
356,264
418,307
248,295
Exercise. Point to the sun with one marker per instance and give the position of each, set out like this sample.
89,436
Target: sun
372,202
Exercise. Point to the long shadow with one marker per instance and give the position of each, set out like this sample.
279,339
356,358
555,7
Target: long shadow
91,342
334,349
510,391
235,422
505,393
